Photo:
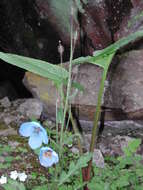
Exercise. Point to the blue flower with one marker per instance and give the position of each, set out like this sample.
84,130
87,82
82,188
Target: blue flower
48,157
36,133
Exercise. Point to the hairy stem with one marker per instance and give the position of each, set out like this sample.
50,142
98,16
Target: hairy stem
68,90
96,119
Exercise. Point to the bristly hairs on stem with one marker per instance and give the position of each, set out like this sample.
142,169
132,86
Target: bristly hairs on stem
73,38
68,84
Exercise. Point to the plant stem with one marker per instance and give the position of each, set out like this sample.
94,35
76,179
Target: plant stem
96,119
68,90
76,131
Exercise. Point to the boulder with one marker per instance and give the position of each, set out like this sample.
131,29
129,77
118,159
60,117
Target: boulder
127,84
89,20
96,33
31,108
19,111
46,91
132,21
123,94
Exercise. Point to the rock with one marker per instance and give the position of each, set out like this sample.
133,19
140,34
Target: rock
18,113
124,128
98,158
75,150
46,91
31,108
5,102
42,89
132,21
123,141
58,14
113,128
126,84
122,96
9,118
117,11
89,20
114,146
86,140
96,34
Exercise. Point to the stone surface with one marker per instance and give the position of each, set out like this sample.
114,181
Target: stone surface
45,90
98,158
132,21
21,110
113,128
123,94
126,84
5,102
31,108
89,20
113,146
96,33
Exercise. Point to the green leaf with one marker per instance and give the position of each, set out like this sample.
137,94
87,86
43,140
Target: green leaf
103,54
42,68
9,159
132,147
43,187
13,185
5,165
74,168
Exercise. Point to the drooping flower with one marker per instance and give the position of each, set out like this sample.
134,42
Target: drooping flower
22,176
3,180
36,133
13,175
48,157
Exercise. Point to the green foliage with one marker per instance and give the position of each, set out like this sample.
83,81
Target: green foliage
74,168
124,173
42,68
15,185
101,54
43,187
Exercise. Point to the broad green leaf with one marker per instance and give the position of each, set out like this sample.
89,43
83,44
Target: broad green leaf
120,43
134,144
100,54
103,62
132,147
42,68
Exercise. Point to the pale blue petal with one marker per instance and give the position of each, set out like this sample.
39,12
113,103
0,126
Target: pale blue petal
26,129
46,161
44,137
35,141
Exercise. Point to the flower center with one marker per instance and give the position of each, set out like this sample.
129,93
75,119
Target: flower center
48,154
37,129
